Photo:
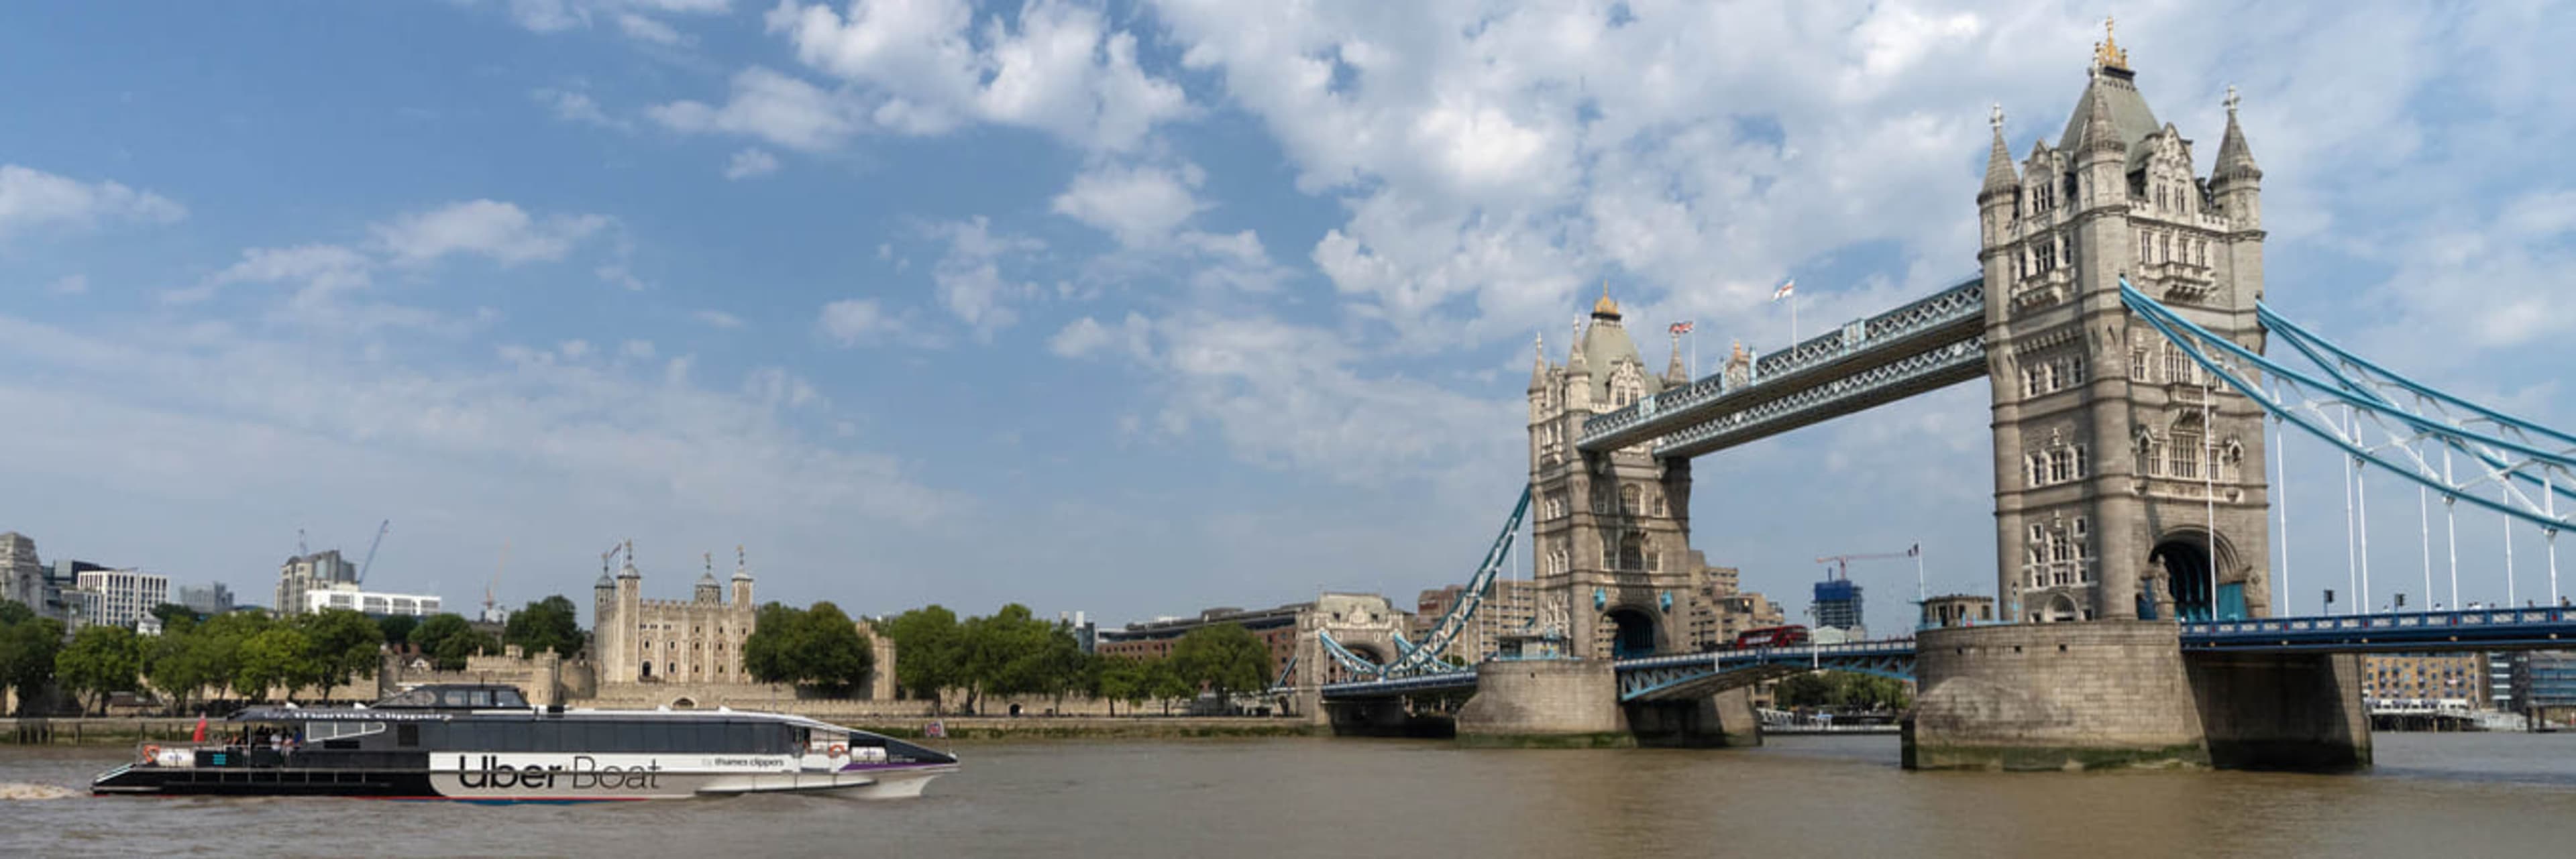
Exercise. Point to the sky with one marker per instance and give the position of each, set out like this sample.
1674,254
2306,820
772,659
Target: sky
1130,309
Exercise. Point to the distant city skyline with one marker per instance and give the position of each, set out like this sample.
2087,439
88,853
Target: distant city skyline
1230,305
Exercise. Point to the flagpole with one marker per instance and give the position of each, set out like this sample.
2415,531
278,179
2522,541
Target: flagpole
1793,321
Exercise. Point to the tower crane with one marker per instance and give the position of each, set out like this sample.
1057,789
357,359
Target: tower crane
371,551
1840,565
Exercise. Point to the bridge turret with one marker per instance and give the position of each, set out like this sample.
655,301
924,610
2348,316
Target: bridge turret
2236,184
2000,198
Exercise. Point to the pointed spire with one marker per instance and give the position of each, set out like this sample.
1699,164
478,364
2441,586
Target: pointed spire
1538,362
1674,372
741,566
1574,362
2235,159
2000,177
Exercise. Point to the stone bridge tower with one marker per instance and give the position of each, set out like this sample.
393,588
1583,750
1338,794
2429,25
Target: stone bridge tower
2114,454
1613,529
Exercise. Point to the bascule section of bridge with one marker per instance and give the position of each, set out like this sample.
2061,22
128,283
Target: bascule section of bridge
2119,321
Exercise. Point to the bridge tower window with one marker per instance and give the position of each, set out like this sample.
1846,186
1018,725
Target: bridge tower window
1628,500
1632,551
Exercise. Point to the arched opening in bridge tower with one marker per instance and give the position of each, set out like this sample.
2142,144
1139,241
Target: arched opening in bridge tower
1632,633
2185,562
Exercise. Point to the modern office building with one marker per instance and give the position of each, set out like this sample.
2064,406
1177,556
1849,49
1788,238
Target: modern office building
122,597
210,600
315,571
371,603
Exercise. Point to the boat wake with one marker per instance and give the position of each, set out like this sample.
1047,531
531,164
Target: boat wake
14,790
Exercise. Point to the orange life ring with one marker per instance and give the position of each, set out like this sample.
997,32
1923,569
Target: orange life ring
839,751
151,753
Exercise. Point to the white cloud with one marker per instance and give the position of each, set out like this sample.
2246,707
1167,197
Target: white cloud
572,106
1140,206
1086,336
31,199
70,284
717,319
500,231
647,29
636,350
617,275
773,107
924,68
855,322
749,163
969,277
632,17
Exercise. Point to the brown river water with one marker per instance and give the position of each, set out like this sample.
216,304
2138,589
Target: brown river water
2433,796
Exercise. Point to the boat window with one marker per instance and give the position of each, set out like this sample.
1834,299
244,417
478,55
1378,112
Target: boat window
631,736
454,698
479,698
315,732
508,698
742,737
411,698
521,737
707,737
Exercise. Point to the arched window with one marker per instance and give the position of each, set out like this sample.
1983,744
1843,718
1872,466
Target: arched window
648,668
1628,500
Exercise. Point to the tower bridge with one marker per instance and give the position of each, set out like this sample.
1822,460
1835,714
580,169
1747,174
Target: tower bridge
2118,319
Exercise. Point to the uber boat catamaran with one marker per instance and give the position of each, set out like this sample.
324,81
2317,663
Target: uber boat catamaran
484,742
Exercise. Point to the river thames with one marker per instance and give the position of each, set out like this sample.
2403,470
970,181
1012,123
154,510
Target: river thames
2433,796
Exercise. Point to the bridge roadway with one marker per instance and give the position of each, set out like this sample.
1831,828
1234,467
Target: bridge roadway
1691,675
1929,343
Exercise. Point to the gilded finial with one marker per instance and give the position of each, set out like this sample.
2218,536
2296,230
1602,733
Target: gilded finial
1605,306
2107,53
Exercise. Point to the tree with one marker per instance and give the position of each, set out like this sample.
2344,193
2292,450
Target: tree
180,663
1163,681
447,640
101,659
1004,654
547,624
28,645
175,617
396,628
818,646
1224,657
1842,690
1121,678
277,657
344,644
927,648
218,643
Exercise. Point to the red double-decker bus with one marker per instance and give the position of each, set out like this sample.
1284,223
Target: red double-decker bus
1771,636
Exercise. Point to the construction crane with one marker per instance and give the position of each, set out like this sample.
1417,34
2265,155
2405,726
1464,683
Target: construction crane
488,602
1840,566
371,551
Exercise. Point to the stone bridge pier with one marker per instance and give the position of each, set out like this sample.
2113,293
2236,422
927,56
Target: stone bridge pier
1551,703
2124,694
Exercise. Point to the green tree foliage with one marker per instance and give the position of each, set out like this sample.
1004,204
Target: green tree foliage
181,663
547,624
176,617
1225,658
819,646
101,659
278,657
1163,682
1122,678
28,645
1841,690
396,628
343,644
447,640
927,643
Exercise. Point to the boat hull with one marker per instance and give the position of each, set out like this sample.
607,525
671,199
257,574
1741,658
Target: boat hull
504,782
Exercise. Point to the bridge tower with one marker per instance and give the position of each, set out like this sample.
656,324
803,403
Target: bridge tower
1612,530
2114,455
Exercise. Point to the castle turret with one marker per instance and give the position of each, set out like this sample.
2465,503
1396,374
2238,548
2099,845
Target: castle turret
741,578
2236,184
708,591
2001,195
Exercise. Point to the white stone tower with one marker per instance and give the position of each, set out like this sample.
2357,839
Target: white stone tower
2114,454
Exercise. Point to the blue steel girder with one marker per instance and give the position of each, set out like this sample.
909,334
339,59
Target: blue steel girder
1945,317
2406,632
1424,657
1452,681
2374,430
1676,678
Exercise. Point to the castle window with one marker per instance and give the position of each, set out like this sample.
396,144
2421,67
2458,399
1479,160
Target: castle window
1660,509
1628,500
1632,551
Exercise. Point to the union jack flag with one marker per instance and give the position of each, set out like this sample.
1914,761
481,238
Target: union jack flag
1681,327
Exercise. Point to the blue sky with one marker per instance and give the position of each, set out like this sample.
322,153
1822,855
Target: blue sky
1132,309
